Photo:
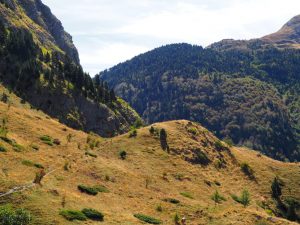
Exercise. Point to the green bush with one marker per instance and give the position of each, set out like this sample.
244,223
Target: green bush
138,123
88,190
217,198
201,157
133,133
219,145
9,216
193,130
73,215
35,147
147,219
247,170
3,149
244,199
123,154
171,200
93,214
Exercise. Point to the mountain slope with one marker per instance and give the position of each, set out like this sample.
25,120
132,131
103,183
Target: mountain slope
196,166
288,35
246,91
40,64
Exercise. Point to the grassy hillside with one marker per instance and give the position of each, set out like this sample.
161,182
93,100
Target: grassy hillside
148,180
248,96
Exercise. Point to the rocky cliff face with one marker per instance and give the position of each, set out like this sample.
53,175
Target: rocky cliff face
44,24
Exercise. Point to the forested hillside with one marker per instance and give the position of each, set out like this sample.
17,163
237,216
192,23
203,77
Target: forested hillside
246,92
40,64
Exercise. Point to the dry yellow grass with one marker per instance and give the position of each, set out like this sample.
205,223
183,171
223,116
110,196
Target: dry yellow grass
139,183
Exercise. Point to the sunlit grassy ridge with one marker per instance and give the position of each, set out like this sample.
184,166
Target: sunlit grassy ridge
148,181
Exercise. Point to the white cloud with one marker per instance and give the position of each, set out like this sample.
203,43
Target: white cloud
107,32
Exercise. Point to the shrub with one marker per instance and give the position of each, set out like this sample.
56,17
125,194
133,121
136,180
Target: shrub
201,157
276,188
147,219
32,164
73,215
151,130
193,130
3,149
87,190
123,154
171,200
176,219
159,208
17,147
138,123
228,141
187,195
217,198
9,216
93,214
56,141
219,145
133,133
163,139
246,168
244,199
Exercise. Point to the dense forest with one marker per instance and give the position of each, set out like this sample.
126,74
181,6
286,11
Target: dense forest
246,96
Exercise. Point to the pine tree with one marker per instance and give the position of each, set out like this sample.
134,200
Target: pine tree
276,189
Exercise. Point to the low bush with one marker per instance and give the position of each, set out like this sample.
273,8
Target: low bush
244,199
9,216
133,133
171,200
193,130
159,208
73,215
88,190
147,219
32,164
93,214
217,197
201,157
123,154
35,147
3,149
247,170
47,140
219,145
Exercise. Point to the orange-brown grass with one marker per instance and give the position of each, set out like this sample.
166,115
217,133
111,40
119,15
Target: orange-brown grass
141,182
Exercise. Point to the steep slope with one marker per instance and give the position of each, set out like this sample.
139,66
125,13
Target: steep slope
40,64
288,35
145,182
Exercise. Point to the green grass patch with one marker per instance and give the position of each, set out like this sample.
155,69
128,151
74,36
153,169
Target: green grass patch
47,140
32,164
101,189
187,195
73,215
147,219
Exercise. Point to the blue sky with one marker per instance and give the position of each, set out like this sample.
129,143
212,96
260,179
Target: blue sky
107,32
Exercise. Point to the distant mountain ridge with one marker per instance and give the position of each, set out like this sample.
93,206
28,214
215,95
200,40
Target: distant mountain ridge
244,91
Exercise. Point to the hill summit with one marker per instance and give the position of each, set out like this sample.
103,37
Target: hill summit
288,35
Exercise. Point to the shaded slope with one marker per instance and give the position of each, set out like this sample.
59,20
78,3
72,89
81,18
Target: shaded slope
143,180
40,64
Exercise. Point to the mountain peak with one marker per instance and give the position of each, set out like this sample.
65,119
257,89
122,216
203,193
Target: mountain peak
288,35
